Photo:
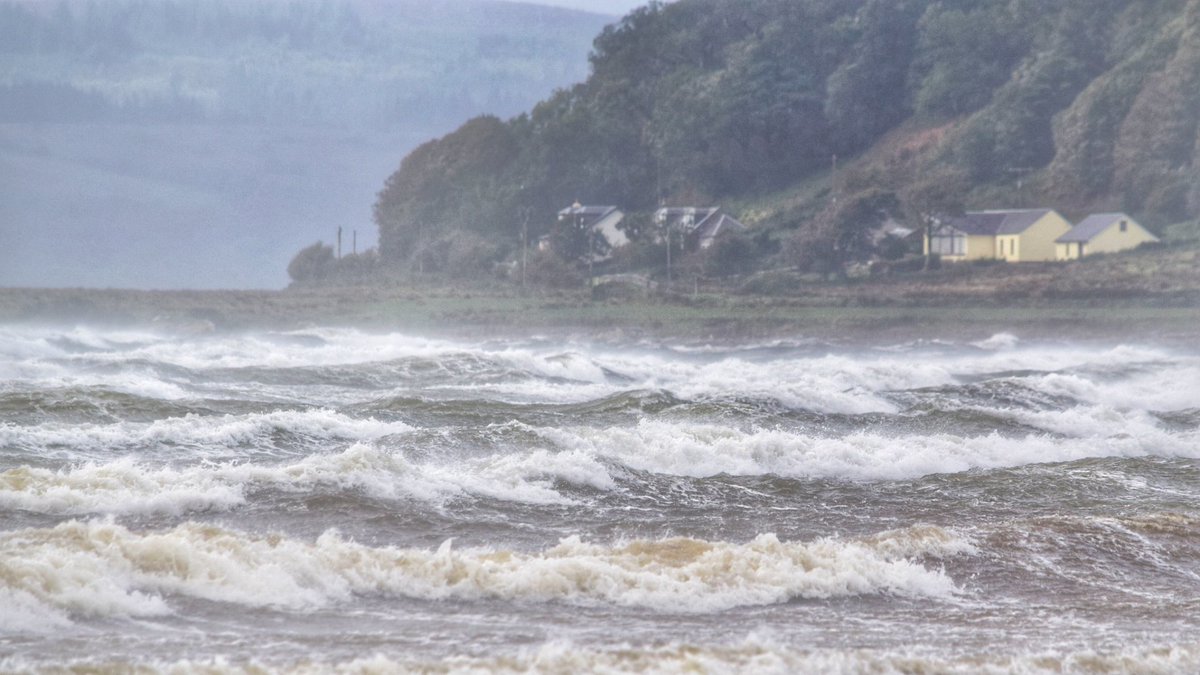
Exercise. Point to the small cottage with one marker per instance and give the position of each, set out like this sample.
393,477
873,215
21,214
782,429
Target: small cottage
1016,235
601,219
1102,233
699,225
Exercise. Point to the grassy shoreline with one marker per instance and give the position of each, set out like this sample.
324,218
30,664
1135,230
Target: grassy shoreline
837,315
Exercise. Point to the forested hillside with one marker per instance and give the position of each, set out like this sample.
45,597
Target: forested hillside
346,62
1075,104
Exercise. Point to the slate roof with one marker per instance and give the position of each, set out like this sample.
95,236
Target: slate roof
1091,226
591,213
711,226
992,223
706,221
679,213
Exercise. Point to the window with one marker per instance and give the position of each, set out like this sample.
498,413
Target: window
1124,226
948,243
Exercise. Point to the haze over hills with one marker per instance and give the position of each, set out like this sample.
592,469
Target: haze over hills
610,7
199,143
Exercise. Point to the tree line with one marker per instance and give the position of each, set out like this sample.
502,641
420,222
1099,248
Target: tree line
351,63
1078,103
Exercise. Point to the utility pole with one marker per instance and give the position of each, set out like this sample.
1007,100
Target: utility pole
833,180
339,255
524,244
668,254
1021,172
354,241
591,257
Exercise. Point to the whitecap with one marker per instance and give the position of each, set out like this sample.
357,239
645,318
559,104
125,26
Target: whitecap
101,568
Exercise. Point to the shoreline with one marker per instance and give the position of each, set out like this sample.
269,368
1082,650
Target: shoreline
709,318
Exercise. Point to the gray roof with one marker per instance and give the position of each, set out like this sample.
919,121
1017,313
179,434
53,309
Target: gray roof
716,223
591,213
700,212
705,221
1091,226
692,216
992,223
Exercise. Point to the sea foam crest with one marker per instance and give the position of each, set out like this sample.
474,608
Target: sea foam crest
702,450
101,568
758,656
198,431
119,487
1159,388
125,486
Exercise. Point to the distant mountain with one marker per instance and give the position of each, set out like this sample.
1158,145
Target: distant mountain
1077,104
613,8
348,63
174,143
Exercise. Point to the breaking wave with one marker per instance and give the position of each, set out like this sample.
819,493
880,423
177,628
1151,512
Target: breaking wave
99,568
264,431
409,467
702,450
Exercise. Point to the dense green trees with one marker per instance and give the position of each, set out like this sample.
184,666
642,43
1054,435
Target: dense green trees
1083,102
313,263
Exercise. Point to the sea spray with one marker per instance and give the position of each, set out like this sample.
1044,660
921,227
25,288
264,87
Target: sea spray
331,499
102,568
700,450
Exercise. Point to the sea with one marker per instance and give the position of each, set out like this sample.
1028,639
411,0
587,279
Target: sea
336,500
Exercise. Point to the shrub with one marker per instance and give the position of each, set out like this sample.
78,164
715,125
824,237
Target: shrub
546,268
312,263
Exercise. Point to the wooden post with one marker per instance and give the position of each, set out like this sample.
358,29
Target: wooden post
524,245
668,254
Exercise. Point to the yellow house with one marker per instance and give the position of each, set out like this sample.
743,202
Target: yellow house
1020,235
1102,233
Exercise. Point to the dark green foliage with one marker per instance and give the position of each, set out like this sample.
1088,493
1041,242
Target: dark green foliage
454,183
867,94
842,233
966,50
701,101
573,239
313,263
546,268
729,256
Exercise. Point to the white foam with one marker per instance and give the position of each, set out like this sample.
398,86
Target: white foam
21,612
125,486
1167,387
100,568
546,372
753,654
702,450
578,456
385,474
998,341
757,655
198,431
120,487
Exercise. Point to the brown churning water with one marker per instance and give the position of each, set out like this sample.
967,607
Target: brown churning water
332,500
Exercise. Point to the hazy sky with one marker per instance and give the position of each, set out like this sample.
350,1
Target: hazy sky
614,7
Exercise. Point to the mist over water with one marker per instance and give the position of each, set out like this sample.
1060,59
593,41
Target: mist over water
334,499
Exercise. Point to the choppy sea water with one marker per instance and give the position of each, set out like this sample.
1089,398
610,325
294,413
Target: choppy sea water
337,500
